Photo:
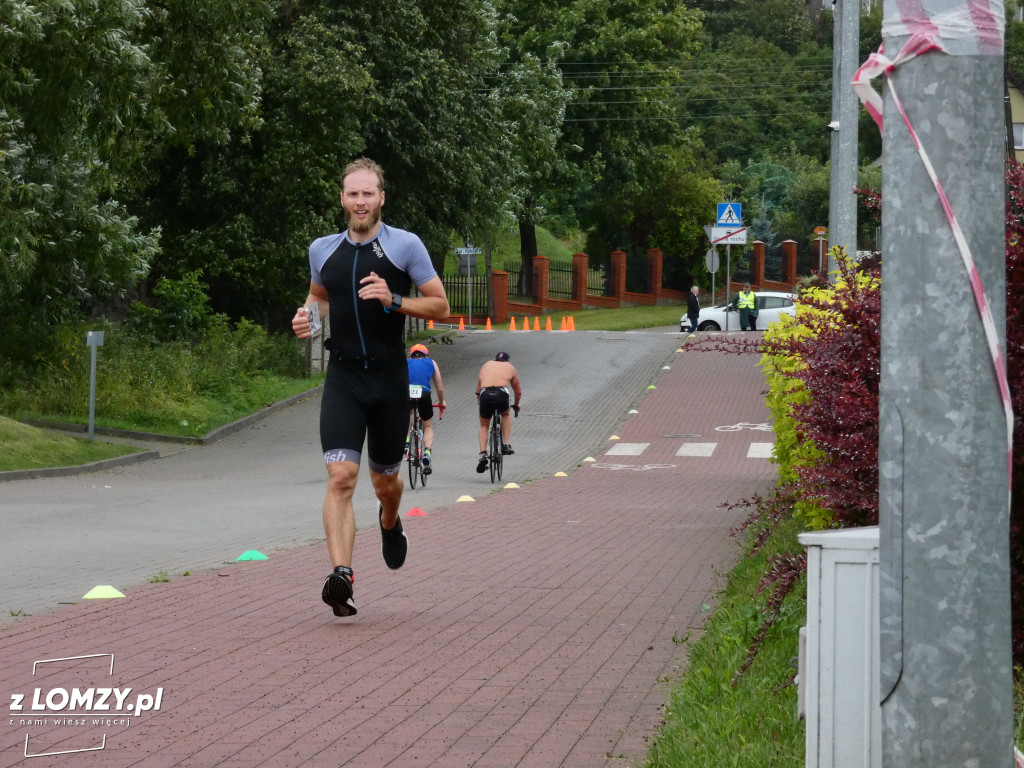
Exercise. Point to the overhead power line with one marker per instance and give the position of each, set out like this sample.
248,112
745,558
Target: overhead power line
824,69
689,118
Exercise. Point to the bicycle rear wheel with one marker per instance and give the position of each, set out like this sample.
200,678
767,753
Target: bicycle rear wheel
419,459
495,447
414,456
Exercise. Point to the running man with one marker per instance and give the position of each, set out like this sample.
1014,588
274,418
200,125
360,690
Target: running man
363,276
422,373
491,390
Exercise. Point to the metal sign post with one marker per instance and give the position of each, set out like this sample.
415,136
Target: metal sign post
728,230
468,255
946,666
93,339
711,262
728,281
820,233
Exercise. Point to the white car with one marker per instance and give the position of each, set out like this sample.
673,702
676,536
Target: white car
770,305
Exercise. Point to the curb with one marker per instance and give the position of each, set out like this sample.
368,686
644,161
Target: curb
93,466
133,458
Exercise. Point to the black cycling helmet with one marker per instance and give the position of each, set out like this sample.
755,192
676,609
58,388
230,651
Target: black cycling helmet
501,357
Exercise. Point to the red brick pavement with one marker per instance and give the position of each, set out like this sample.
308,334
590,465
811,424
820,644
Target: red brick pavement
531,627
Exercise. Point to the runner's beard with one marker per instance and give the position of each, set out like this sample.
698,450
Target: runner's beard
359,227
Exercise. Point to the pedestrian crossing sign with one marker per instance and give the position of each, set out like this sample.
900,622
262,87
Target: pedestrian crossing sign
729,214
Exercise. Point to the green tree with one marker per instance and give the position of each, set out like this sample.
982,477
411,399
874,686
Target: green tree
534,102
752,99
244,212
209,69
92,97
419,87
784,22
670,212
444,127
621,62
74,92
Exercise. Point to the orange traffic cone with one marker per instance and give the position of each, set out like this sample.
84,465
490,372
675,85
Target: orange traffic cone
547,324
526,323
512,324
462,324
536,323
430,324
572,324
561,325
488,327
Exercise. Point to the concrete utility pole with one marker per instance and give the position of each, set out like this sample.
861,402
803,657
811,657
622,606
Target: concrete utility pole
842,200
944,556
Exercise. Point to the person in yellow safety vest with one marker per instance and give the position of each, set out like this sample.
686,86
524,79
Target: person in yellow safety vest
746,302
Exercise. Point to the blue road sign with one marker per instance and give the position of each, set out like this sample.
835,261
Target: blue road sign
729,215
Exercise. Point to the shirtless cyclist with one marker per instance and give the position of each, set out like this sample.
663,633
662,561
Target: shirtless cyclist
491,390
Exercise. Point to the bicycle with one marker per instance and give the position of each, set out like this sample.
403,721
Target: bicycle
414,456
495,456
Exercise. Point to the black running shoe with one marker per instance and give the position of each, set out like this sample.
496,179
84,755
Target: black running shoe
337,591
506,449
393,544
481,466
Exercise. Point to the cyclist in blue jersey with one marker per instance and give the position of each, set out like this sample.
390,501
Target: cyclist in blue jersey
362,277
423,372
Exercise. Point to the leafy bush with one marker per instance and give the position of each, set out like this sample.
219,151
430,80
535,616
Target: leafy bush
1015,372
182,311
823,392
823,370
177,386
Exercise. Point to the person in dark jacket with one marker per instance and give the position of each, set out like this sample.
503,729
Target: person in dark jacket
693,308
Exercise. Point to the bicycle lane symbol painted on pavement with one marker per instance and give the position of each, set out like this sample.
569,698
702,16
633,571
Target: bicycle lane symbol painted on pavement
745,425
634,467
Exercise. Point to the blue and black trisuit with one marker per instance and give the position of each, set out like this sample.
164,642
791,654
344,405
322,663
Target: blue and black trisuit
366,392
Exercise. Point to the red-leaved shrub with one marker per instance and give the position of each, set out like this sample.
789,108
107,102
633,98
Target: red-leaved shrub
841,372
1015,372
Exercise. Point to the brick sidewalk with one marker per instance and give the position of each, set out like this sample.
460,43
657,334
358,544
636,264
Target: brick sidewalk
531,627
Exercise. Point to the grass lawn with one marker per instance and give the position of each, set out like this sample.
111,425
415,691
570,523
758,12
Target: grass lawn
25,447
718,718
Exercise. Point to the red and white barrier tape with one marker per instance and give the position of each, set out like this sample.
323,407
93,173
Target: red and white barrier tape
975,30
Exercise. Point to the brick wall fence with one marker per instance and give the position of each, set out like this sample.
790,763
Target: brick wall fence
543,304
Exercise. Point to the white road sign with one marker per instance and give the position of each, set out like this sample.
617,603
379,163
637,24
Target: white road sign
728,236
711,260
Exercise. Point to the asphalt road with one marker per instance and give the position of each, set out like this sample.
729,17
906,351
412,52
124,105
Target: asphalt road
262,488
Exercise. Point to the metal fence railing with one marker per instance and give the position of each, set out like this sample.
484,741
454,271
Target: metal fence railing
459,288
515,292
597,281
560,280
